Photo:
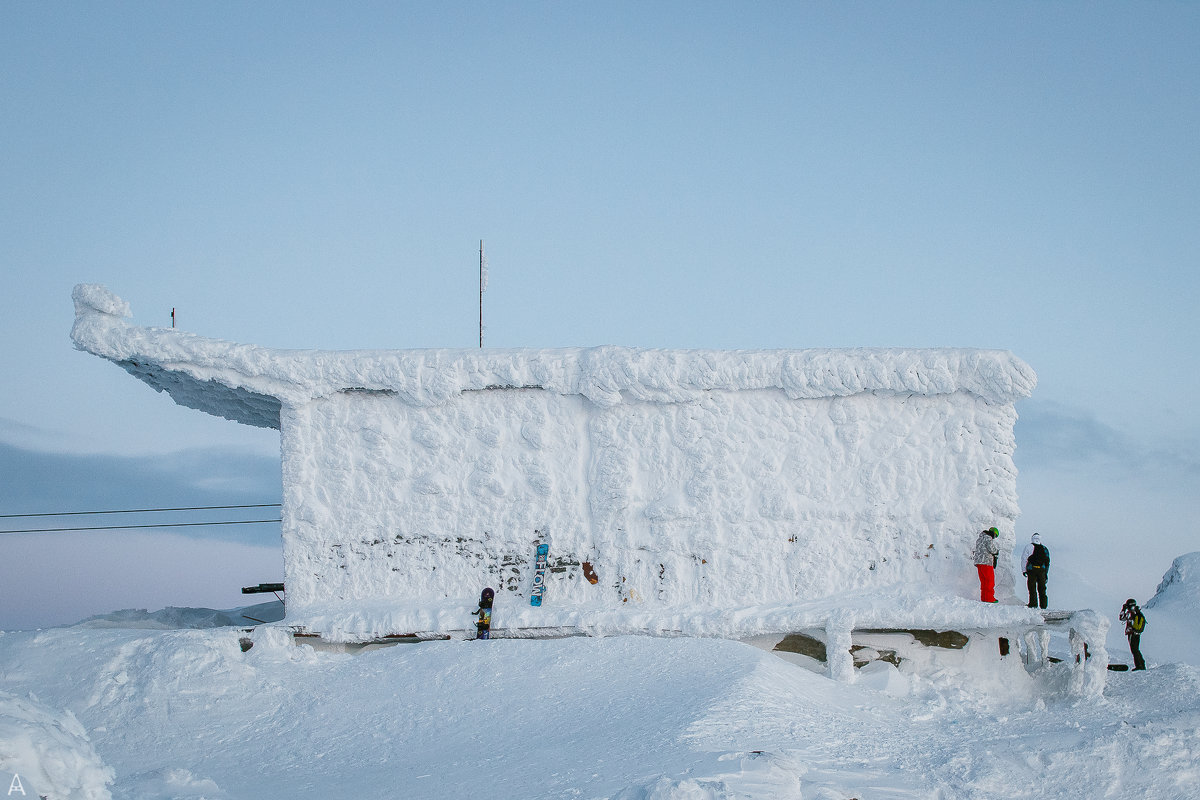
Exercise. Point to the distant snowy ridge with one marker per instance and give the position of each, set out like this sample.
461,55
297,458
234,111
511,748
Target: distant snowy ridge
1180,586
176,618
188,366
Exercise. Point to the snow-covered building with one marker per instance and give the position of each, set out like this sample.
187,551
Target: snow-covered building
668,483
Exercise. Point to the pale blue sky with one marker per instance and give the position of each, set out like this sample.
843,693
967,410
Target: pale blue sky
1023,176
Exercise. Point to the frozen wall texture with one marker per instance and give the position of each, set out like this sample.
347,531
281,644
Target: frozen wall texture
681,479
733,499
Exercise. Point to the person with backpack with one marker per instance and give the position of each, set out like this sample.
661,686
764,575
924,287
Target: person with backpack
986,551
1036,569
1135,623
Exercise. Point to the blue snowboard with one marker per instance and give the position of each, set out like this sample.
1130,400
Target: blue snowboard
539,574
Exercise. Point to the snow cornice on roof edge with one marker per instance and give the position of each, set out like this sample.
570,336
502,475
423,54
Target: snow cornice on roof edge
248,384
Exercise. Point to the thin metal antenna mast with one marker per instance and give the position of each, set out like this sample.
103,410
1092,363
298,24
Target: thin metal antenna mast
482,286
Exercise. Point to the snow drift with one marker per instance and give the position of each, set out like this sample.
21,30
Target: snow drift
189,714
47,753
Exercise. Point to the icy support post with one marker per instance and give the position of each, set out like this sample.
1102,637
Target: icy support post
1088,653
837,647
1079,657
1036,645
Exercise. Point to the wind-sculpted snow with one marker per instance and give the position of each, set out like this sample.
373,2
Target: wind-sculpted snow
45,752
190,714
684,478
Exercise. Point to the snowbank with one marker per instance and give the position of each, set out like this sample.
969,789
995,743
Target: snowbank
44,752
188,714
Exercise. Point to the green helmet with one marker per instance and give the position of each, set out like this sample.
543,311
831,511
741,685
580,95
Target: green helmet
994,532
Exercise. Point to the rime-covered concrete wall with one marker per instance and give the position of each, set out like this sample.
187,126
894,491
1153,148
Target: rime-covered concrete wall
735,499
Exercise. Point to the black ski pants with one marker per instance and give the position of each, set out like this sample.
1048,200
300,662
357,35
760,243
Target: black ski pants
1135,640
1035,579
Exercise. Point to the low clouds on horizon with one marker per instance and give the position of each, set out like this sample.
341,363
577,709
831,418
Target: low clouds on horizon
1053,436
48,483
57,578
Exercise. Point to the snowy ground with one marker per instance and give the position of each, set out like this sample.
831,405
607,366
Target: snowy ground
188,714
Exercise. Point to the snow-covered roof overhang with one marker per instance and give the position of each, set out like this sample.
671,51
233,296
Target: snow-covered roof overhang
248,384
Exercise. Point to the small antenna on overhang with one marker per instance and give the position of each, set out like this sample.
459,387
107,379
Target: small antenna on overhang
483,279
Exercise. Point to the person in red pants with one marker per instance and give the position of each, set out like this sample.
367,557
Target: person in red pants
986,553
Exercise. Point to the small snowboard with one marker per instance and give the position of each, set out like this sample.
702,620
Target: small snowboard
483,623
539,574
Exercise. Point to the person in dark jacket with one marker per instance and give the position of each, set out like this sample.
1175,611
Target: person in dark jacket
986,551
1135,623
1035,566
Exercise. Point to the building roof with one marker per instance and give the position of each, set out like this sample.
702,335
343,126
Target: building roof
249,384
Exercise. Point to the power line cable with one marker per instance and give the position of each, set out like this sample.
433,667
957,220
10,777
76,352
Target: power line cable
139,511
133,527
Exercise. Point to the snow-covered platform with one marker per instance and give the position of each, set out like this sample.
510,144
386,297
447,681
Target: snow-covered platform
925,631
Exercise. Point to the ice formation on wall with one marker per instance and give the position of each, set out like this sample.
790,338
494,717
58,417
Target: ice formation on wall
684,479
